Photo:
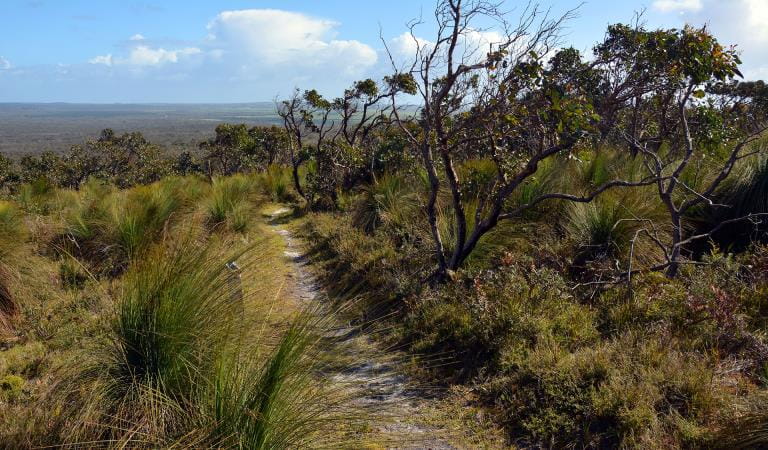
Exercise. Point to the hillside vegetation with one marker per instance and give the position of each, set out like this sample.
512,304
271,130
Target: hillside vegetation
578,242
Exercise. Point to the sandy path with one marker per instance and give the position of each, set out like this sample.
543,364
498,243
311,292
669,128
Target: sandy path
382,388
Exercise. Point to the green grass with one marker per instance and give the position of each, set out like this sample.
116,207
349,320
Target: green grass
276,183
389,200
109,228
227,205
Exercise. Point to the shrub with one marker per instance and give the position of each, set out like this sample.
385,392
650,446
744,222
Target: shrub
629,392
11,387
492,322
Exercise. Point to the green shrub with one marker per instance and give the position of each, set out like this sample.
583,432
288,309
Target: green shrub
11,387
493,323
628,392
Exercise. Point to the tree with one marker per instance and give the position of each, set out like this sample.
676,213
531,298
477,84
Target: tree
294,122
335,134
494,99
270,143
688,125
8,175
46,165
231,150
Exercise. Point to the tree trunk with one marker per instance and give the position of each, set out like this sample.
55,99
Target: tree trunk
296,182
674,255
434,187
458,210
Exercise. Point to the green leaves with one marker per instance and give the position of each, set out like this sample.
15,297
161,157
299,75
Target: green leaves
402,82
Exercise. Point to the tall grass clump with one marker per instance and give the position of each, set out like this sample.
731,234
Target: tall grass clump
744,192
109,228
275,182
274,400
36,196
611,227
180,368
13,231
390,199
173,319
227,205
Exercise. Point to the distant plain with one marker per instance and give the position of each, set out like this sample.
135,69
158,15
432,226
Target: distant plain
35,127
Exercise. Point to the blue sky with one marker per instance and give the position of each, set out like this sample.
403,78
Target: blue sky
253,50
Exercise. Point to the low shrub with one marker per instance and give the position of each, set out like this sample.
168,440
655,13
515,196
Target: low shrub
633,391
11,388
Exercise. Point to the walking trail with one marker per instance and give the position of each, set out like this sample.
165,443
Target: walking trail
381,386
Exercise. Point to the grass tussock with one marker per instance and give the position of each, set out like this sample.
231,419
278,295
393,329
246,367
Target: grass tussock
109,228
180,367
227,205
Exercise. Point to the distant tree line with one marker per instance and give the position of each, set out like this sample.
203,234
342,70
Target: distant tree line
129,159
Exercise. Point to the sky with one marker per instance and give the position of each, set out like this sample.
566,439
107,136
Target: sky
237,51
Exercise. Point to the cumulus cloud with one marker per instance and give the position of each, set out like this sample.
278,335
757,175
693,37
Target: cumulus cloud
106,60
407,45
677,5
144,56
268,51
284,39
472,46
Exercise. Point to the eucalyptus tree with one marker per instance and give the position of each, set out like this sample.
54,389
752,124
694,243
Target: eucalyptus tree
692,114
507,94
335,133
490,93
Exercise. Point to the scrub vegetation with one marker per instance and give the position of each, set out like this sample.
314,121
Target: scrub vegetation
576,242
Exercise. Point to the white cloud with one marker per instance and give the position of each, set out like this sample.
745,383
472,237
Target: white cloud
137,37
106,60
406,45
146,56
143,56
677,5
4,64
473,46
284,39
